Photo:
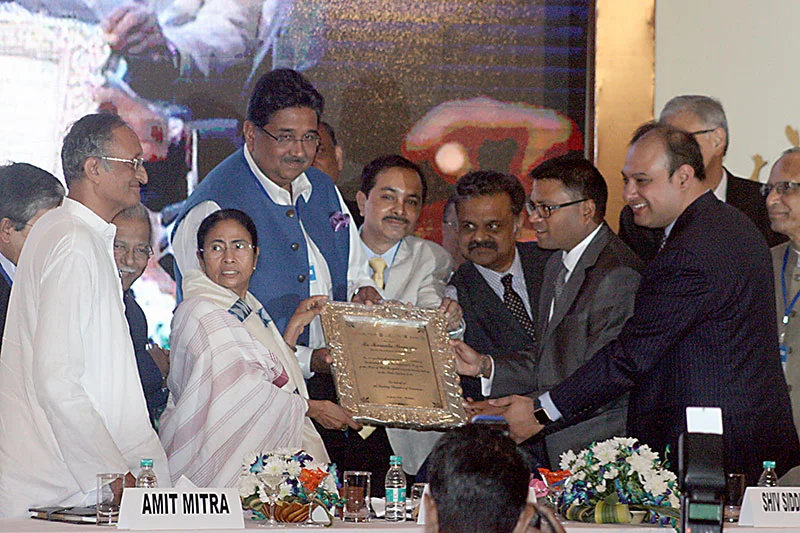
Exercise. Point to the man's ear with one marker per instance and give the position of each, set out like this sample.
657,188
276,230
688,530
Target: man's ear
249,132
91,168
339,153
431,514
589,209
6,227
718,139
361,200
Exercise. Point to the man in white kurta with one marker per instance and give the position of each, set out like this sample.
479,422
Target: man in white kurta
71,405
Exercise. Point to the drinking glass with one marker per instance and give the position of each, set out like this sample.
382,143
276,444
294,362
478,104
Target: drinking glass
417,490
734,492
272,487
356,490
107,501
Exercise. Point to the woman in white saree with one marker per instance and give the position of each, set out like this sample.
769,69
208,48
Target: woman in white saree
235,383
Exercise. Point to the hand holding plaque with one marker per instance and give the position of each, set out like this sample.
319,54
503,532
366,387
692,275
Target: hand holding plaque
393,365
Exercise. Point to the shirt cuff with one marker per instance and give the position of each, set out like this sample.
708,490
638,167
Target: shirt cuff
458,333
549,406
486,383
303,354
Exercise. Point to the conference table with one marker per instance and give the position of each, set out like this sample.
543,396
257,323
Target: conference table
28,525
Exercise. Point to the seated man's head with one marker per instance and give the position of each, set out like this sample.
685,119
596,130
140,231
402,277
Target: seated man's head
282,126
391,196
478,483
489,208
26,193
132,248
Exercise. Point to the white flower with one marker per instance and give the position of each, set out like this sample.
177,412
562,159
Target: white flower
627,442
654,484
640,464
647,453
293,469
247,484
567,458
611,473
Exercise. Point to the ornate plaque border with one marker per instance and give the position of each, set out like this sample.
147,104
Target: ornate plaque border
447,380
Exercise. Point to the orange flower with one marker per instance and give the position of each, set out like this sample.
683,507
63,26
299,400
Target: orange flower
311,478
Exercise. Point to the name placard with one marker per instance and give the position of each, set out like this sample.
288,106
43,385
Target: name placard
180,509
770,506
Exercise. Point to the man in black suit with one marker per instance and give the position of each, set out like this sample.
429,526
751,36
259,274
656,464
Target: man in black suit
704,118
26,192
702,333
489,206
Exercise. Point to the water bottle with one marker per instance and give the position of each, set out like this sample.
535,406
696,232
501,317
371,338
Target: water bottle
768,477
146,478
395,490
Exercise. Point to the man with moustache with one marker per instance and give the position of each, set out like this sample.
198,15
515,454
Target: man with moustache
132,251
701,334
782,193
498,285
406,268
308,235
704,119
69,387
26,193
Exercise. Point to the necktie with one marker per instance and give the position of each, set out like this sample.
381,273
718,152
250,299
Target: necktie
561,280
378,266
515,305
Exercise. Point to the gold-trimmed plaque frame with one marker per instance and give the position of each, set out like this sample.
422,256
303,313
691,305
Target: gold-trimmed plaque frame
393,365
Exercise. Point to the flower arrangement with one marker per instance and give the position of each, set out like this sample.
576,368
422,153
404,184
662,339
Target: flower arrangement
610,479
306,481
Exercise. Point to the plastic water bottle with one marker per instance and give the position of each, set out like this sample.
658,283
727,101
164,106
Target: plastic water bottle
395,490
768,477
146,478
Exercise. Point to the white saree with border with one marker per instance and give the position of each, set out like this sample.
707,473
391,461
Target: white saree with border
235,387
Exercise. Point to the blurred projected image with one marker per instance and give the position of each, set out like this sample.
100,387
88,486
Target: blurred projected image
489,84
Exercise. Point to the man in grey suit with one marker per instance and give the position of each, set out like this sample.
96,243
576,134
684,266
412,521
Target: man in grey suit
587,294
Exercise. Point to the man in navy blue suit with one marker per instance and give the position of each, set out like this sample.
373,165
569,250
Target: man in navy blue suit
702,333
26,193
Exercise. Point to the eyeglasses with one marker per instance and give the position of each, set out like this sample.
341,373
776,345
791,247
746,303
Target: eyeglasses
544,210
139,252
136,162
218,249
782,187
286,140
700,132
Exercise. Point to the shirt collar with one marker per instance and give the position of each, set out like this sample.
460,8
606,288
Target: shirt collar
387,256
300,185
515,268
8,267
92,219
721,192
571,258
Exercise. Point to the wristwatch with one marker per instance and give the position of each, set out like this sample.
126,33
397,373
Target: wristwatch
540,413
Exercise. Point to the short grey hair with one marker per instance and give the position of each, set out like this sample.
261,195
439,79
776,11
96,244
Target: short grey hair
136,212
25,190
708,110
88,137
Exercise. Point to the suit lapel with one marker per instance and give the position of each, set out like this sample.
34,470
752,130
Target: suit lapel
400,268
573,286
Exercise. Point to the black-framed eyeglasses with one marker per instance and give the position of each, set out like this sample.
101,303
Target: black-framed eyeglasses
701,132
136,162
139,252
285,140
544,210
782,187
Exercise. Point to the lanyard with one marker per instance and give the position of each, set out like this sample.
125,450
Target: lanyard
787,308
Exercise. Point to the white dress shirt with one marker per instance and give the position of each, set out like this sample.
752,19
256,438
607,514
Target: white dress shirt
9,267
71,404
184,246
